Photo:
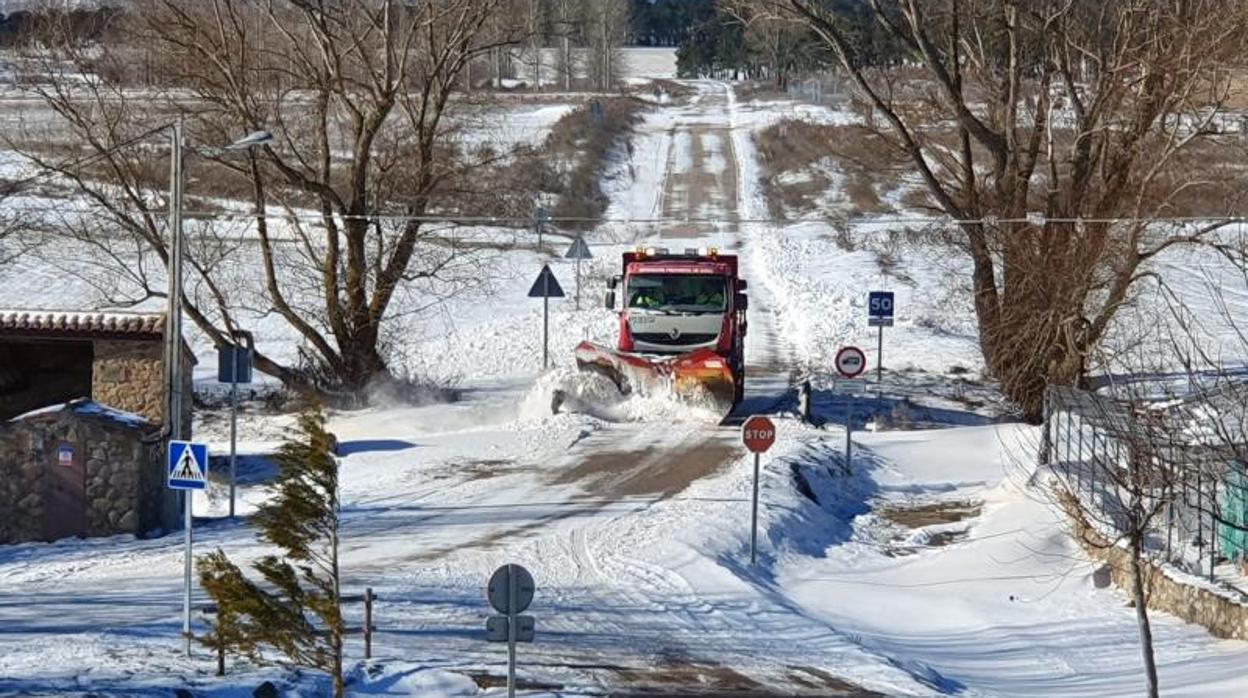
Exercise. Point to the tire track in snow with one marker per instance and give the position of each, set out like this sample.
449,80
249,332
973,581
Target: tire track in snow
770,374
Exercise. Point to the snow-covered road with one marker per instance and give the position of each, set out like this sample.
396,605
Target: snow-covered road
636,528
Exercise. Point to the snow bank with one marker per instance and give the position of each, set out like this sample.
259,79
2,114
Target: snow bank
403,679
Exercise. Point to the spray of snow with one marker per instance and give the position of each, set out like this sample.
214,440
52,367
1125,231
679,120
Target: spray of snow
595,395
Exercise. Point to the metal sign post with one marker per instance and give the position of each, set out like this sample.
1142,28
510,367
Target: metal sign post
540,218
880,309
510,591
546,287
849,433
851,362
578,251
234,367
187,468
758,433
848,388
512,602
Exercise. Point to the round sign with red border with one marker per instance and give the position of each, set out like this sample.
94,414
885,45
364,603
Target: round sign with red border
758,434
851,362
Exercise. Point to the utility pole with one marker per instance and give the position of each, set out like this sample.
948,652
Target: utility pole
173,335
173,331
605,67
536,45
567,52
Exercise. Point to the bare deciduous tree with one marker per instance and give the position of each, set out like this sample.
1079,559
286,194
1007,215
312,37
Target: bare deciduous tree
9,243
1118,492
779,46
1153,464
1048,129
567,23
606,29
358,96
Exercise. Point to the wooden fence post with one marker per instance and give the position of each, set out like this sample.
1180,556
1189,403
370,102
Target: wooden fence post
368,623
1046,434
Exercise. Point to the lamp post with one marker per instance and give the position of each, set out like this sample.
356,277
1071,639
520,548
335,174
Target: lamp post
173,330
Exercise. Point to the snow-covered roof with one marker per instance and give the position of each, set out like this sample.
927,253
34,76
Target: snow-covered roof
84,324
88,408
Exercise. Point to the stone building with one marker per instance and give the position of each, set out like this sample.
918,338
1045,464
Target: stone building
117,359
83,469
82,424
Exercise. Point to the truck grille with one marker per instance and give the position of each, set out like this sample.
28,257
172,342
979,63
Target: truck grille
666,339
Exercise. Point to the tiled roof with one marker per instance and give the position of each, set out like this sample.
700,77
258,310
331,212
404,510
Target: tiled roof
84,324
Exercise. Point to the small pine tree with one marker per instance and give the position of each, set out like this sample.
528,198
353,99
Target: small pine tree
297,611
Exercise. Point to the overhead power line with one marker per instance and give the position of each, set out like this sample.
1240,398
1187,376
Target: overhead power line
313,217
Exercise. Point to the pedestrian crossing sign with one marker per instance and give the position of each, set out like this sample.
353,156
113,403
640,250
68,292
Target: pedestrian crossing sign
188,465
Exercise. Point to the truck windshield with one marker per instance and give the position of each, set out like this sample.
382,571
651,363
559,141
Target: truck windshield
681,294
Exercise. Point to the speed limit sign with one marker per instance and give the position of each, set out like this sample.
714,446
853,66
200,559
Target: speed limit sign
851,362
880,308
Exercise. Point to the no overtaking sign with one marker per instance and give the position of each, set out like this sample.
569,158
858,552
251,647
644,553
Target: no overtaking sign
851,362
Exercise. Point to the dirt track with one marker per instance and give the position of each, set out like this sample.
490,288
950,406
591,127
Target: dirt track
652,471
703,187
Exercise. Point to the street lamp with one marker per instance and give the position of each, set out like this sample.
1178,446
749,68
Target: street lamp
173,320
173,326
255,139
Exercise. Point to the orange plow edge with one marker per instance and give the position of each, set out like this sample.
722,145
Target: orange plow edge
701,376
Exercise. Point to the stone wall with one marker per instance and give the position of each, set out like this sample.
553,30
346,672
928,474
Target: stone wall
22,469
124,472
128,375
1224,616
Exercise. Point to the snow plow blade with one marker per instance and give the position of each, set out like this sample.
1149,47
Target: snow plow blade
701,376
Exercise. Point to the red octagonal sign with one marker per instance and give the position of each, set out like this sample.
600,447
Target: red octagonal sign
758,434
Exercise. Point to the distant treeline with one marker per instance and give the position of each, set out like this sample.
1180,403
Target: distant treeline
668,22
84,23
719,42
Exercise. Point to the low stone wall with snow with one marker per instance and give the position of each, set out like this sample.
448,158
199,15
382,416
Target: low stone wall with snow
114,484
1223,611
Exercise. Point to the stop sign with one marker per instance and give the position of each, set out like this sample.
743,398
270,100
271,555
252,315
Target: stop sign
758,434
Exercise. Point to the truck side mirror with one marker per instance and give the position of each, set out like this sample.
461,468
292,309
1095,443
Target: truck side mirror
610,300
613,282
743,302
742,284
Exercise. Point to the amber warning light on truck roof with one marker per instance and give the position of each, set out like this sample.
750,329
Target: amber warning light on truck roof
712,252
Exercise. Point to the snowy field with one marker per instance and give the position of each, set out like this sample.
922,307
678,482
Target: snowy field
637,64
635,519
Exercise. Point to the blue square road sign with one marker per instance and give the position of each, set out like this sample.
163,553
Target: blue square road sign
188,465
880,308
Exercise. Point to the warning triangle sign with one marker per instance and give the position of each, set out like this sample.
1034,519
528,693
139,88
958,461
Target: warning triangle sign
546,285
579,250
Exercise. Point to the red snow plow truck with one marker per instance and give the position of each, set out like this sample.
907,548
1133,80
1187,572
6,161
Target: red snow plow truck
682,327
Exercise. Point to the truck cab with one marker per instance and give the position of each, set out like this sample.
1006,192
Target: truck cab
673,304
